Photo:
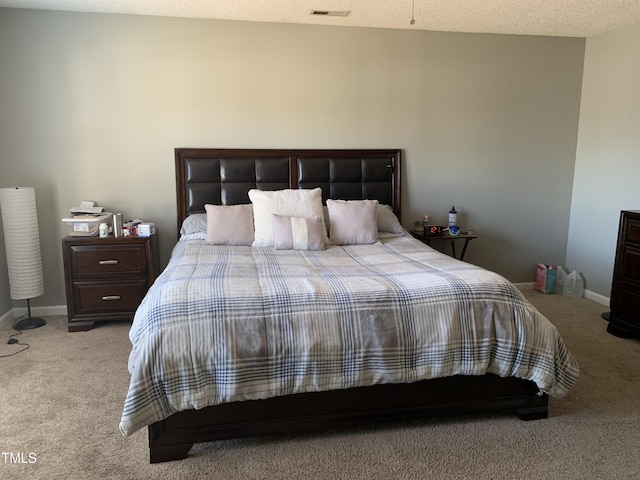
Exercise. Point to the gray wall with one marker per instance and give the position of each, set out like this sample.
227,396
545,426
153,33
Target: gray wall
608,154
92,106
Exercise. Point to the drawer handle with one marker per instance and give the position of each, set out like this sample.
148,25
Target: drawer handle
108,262
110,298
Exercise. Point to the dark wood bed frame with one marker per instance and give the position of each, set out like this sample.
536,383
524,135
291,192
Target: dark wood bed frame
224,176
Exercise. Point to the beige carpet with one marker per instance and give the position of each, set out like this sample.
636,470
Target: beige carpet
61,401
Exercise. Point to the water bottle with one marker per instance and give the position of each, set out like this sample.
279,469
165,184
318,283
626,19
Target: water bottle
117,225
573,285
561,278
453,216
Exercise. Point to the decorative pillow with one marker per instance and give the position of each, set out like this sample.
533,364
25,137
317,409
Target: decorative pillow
298,233
229,224
288,203
353,222
387,220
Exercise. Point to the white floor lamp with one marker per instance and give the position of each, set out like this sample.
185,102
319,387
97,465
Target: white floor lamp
22,246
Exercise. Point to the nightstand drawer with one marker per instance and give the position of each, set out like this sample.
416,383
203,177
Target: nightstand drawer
106,297
93,262
106,278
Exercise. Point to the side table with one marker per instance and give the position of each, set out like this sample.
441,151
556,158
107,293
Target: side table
106,278
452,238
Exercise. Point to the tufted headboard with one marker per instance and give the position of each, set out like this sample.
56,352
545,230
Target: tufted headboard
225,176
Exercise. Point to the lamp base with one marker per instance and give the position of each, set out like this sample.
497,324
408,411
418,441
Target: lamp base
29,323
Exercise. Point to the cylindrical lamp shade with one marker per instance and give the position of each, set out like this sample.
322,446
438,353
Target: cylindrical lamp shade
22,242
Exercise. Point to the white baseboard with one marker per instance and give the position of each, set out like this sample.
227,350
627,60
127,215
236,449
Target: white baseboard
7,317
42,311
596,297
11,315
588,294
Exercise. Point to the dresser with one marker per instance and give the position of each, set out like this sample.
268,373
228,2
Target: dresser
624,318
106,278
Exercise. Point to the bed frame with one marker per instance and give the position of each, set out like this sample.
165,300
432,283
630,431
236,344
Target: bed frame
224,176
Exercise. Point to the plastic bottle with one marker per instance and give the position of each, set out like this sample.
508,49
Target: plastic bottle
425,223
573,285
561,278
104,230
453,216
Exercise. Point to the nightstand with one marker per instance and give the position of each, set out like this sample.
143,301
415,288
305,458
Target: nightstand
453,238
106,278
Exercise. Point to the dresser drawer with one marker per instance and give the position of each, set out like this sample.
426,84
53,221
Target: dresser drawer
108,297
631,265
109,261
633,231
628,308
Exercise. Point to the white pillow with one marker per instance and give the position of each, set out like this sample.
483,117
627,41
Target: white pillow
298,233
387,220
289,203
194,224
353,222
229,224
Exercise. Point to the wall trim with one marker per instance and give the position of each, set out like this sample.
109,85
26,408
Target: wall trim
7,317
41,311
588,294
596,297
50,310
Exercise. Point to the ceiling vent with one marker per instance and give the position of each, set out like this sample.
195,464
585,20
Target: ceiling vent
331,13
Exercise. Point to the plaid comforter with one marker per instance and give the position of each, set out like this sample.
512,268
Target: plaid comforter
223,324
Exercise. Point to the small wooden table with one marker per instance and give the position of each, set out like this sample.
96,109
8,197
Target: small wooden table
453,238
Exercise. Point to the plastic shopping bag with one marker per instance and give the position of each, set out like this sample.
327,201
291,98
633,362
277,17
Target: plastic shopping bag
546,278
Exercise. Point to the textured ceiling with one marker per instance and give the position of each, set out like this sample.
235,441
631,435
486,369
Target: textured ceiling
569,18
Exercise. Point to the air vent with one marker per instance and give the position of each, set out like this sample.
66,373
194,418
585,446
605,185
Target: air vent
331,13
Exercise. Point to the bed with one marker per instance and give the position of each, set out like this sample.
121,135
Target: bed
237,339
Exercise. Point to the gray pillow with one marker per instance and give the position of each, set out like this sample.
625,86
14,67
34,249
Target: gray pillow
353,222
229,224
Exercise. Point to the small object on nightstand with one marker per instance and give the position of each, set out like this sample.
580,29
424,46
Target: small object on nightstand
146,229
453,216
86,225
117,225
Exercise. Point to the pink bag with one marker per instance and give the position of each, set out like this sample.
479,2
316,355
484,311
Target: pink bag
546,278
